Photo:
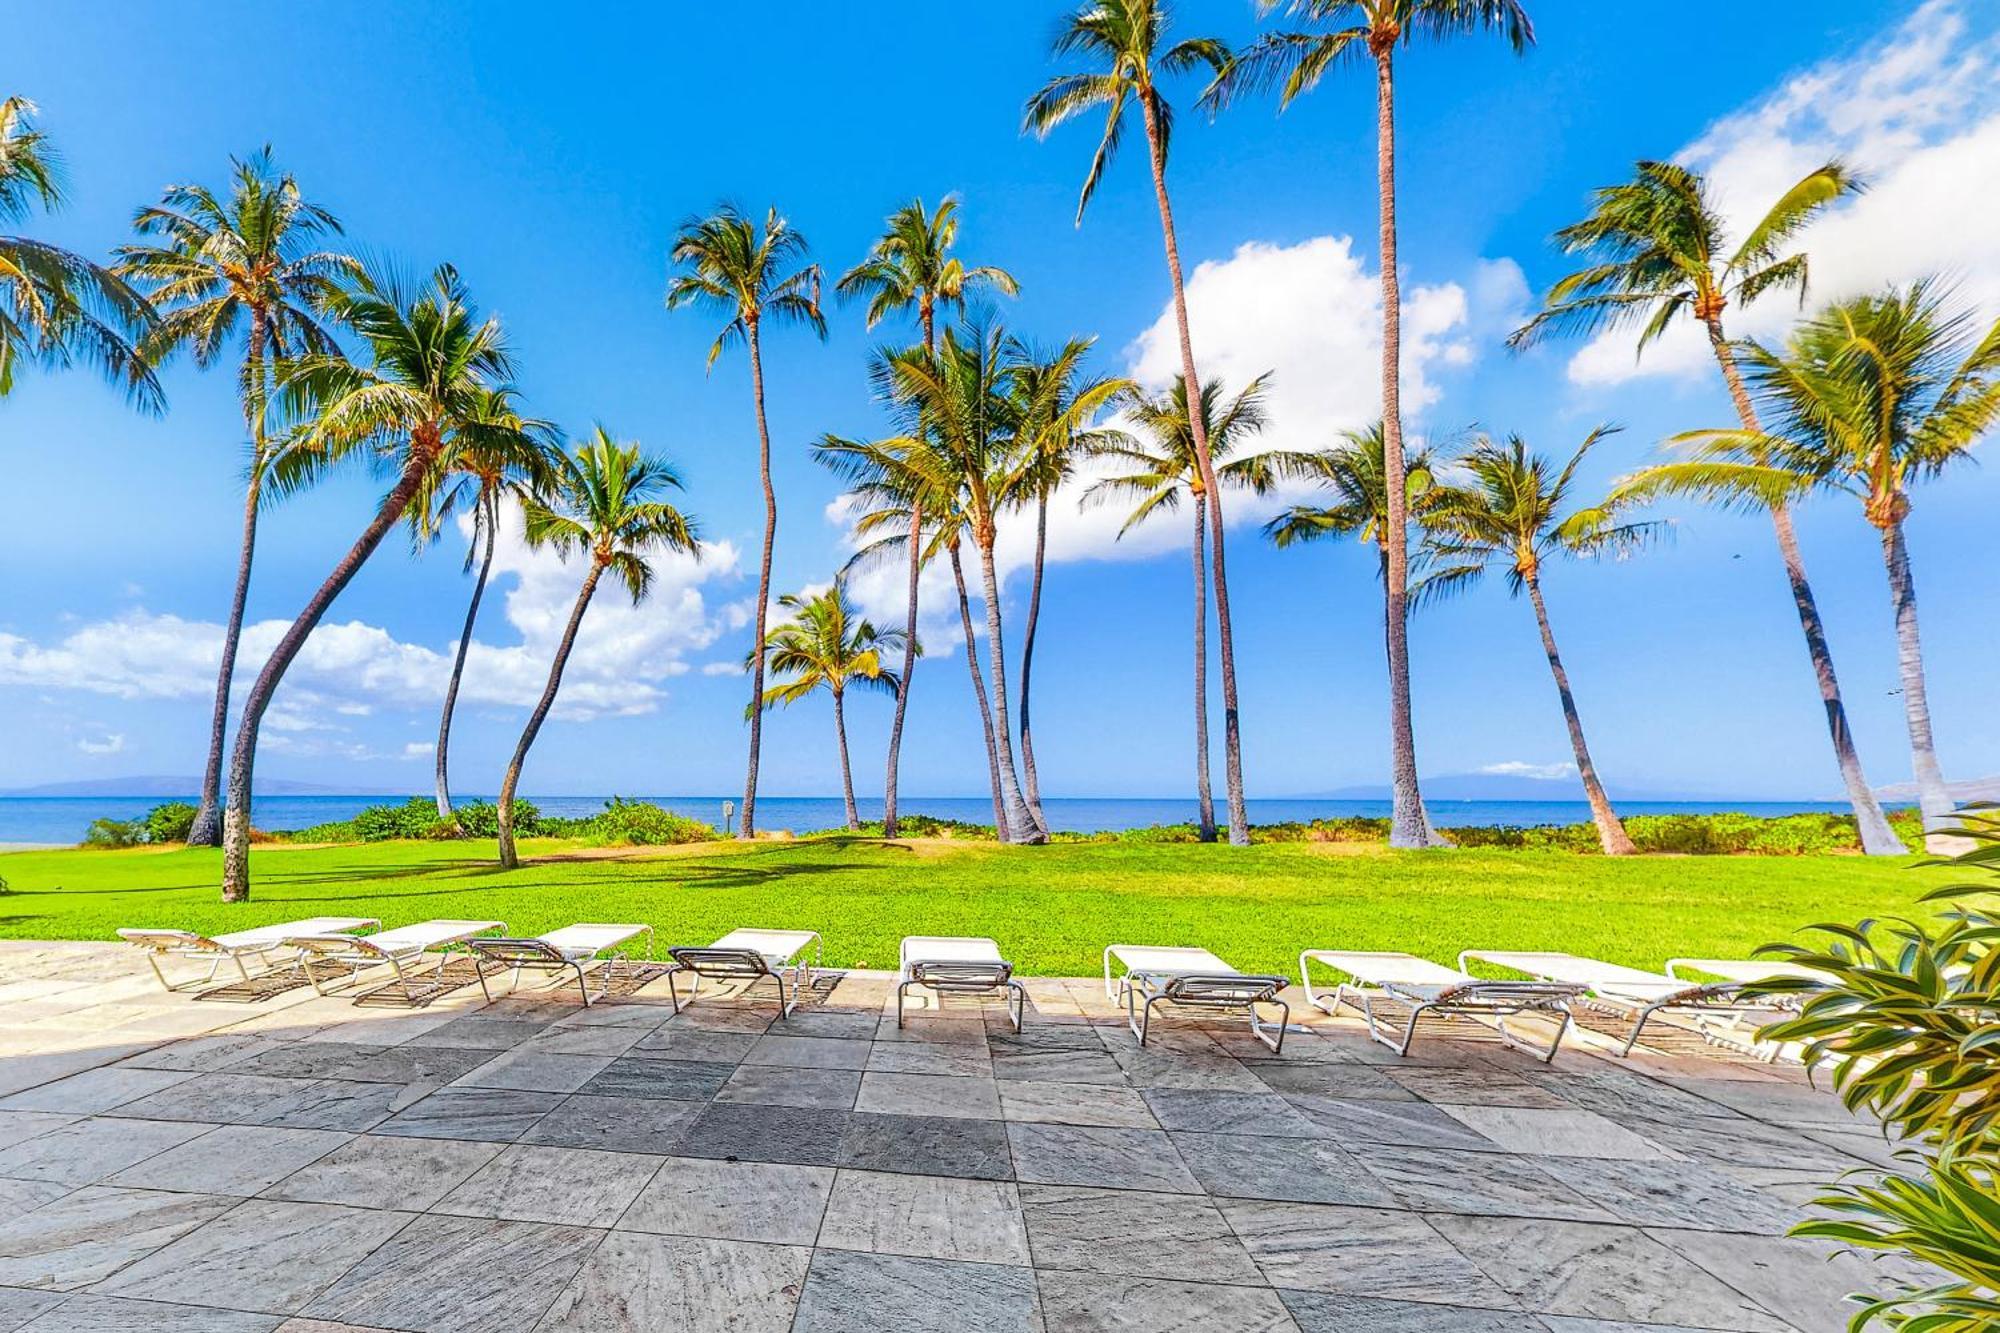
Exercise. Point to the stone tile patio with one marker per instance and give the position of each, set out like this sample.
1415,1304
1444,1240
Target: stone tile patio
310,1165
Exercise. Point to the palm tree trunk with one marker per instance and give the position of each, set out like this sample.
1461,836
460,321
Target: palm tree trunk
489,509
909,667
1018,817
747,827
1000,826
1877,838
846,773
206,831
512,782
1031,787
1432,838
1408,824
236,818
1203,793
1933,797
1611,833
1232,744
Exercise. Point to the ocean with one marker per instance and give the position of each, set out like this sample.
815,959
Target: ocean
61,820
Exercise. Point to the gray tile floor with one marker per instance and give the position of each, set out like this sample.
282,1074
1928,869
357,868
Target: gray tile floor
307,1165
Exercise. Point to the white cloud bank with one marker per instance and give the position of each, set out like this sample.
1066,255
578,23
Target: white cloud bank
1918,115
1517,768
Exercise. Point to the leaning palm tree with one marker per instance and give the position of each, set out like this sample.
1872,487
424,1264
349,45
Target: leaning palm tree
911,266
1155,475
500,455
1127,41
1344,32
56,307
827,646
605,502
747,272
1869,396
1513,510
431,366
1655,250
246,262
1057,406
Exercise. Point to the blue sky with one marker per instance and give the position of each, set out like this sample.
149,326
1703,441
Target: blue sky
550,161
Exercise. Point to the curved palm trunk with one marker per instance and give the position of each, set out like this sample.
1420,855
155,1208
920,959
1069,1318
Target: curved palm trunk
909,667
1611,833
1877,838
1000,824
236,818
512,782
747,826
1409,825
490,508
1203,793
1031,787
1232,744
1933,797
846,773
1018,818
206,830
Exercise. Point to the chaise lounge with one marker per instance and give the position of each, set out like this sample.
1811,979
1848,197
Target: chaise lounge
233,947
945,964
1424,987
558,951
1192,979
401,950
749,956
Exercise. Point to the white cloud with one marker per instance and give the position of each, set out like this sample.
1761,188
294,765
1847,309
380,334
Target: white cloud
722,668
1918,115
419,749
111,743
1515,768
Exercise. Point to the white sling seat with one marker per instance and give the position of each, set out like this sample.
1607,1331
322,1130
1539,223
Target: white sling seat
1425,987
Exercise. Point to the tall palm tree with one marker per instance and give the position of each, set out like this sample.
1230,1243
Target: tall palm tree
1343,33
1514,510
247,262
1057,406
1127,41
57,307
1161,472
911,266
499,455
1656,251
1869,396
826,645
431,365
747,272
606,502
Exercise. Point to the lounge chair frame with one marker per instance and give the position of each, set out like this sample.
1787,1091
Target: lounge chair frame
415,983
545,954
219,949
731,962
1705,1002
1215,989
1499,1000
964,975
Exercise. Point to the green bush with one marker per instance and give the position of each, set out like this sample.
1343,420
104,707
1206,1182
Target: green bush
481,819
110,834
629,823
169,822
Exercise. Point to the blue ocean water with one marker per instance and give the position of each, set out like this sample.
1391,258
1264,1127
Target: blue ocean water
58,820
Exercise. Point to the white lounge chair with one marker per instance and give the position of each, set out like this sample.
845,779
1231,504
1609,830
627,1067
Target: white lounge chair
233,947
1193,979
559,951
1423,987
749,956
944,963
1640,995
401,950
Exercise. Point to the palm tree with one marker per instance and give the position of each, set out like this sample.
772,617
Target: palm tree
250,264
1161,473
1056,407
1513,510
1870,396
432,366
499,455
57,307
826,645
1656,251
1345,31
1127,41
748,273
603,501
911,266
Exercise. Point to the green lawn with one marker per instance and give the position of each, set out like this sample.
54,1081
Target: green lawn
1052,908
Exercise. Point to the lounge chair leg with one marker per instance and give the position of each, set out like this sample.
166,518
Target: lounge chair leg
1257,1031
479,970
673,992
784,1005
241,970
1018,995
901,989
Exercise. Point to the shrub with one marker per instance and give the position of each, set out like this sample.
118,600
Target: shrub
630,823
481,819
107,834
170,822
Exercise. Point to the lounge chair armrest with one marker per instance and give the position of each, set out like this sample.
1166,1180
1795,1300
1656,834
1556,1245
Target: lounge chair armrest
714,962
949,974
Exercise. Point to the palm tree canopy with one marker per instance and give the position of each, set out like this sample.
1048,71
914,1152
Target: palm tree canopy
963,417
1057,408
826,645
1126,43
1346,31
744,272
1512,506
911,265
56,307
496,453
1656,248
605,499
1165,468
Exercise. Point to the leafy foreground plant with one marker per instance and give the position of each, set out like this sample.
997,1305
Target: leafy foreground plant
1909,1018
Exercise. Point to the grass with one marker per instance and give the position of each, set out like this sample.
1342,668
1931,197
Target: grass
1052,908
